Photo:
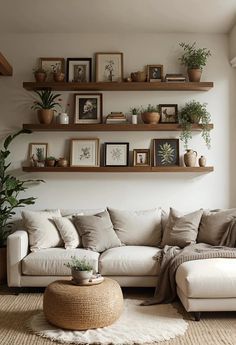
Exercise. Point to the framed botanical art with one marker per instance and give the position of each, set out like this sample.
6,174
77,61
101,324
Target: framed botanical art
142,157
88,108
38,153
116,154
52,65
109,67
169,113
166,152
79,70
154,73
84,152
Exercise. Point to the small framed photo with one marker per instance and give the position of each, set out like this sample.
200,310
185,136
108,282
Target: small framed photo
169,113
142,157
116,154
84,152
79,70
166,152
52,65
109,67
38,153
154,73
88,108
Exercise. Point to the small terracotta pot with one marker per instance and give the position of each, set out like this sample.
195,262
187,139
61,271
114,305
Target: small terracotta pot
40,76
59,77
45,116
194,74
139,76
151,118
50,162
3,265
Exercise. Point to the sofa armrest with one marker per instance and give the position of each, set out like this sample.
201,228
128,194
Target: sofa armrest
17,249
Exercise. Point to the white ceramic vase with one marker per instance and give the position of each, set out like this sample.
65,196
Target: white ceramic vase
134,119
63,119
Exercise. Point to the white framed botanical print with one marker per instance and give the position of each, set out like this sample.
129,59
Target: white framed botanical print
109,67
116,154
84,152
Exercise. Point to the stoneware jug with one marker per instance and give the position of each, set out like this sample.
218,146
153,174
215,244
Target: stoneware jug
190,158
202,161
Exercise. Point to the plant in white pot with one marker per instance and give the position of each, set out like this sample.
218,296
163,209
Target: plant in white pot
81,269
46,106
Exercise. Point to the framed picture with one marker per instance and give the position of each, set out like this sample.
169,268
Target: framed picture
109,67
154,73
166,152
169,113
52,65
79,70
142,157
38,153
88,108
84,152
116,154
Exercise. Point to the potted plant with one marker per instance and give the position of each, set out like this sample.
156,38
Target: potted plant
134,115
81,269
40,74
150,114
10,199
50,161
194,113
194,59
58,75
46,106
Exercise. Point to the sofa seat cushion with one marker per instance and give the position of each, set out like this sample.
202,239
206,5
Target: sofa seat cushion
209,278
51,262
129,261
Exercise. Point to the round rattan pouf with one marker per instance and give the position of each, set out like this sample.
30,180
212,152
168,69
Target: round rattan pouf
82,307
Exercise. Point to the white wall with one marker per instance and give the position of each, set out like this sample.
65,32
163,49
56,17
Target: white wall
183,191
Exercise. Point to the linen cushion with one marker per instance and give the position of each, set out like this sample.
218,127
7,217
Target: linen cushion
213,225
129,261
41,229
97,232
68,232
140,228
181,230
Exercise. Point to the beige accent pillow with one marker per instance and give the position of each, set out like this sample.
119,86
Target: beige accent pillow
181,230
41,229
138,228
68,232
97,232
213,225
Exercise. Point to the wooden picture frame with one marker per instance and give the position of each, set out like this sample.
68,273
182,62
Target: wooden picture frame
84,152
166,152
79,70
168,113
52,65
109,67
141,157
38,159
88,107
154,73
116,154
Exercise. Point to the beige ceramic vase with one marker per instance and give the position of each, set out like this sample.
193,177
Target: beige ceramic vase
202,161
45,116
190,158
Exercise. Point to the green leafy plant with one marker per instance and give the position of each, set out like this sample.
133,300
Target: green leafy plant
193,57
10,188
195,113
79,264
39,70
50,158
47,100
39,154
135,110
150,109
166,154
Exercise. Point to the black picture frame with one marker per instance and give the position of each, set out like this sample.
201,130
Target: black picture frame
174,117
107,161
171,159
68,67
95,99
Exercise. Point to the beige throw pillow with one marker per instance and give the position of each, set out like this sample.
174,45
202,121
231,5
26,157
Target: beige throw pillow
181,230
41,229
97,232
213,226
68,232
140,228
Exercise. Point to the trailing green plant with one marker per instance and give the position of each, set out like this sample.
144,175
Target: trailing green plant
135,110
193,57
150,109
195,112
47,100
10,188
79,264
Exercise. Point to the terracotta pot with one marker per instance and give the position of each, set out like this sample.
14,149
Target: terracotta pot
3,265
194,74
50,162
62,162
202,161
190,158
139,76
40,76
151,117
59,77
45,116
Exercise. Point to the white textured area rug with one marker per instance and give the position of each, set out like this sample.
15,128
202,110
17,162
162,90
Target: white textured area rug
137,325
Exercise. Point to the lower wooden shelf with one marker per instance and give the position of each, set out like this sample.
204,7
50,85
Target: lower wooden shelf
171,169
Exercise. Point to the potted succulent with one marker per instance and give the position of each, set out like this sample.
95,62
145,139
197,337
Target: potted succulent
50,161
40,74
81,269
150,114
46,106
134,115
195,113
194,59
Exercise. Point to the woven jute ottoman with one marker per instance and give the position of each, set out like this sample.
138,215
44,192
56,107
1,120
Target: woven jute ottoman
82,307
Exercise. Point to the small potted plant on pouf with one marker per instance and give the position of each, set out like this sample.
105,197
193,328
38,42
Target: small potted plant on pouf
46,106
150,115
40,74
81,270
194,59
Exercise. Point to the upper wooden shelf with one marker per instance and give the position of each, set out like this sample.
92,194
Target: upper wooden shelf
102,127
5,67
123,86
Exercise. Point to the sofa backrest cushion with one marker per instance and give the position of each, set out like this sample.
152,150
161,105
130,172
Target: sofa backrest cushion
97,232
41,229
140,228
181,230
68,232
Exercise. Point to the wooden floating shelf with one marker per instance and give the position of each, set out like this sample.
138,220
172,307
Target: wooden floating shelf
5,67
170,169
102,127
122,86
